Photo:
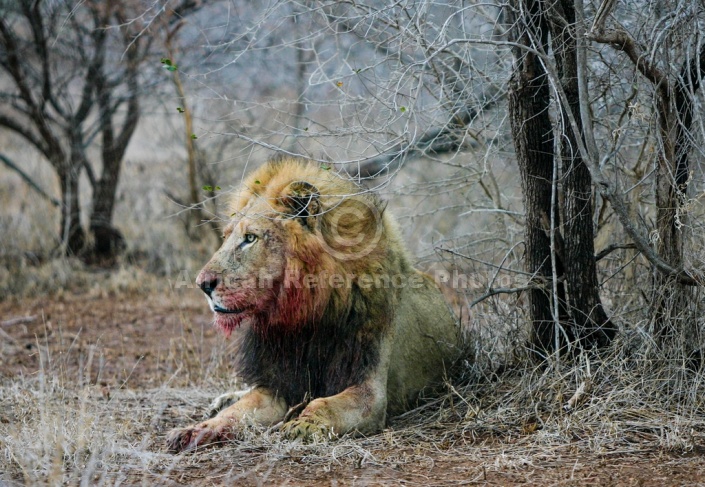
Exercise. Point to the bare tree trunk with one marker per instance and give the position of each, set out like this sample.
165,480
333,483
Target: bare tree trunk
592,326
191,154
108,240
675,118
72,234
574,313
669,300
532,131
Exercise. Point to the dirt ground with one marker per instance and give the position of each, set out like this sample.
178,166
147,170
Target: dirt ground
126,346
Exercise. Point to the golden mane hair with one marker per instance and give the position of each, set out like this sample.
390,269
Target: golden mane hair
344,226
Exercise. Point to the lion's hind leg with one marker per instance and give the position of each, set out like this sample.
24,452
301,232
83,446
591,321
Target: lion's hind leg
258,407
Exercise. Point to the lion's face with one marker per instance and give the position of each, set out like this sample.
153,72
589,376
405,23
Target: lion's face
243,278
286,232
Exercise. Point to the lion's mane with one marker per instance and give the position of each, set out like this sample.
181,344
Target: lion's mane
320,340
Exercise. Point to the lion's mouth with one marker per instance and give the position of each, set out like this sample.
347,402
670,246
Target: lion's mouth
220,309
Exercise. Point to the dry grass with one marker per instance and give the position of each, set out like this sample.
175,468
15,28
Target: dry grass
59,428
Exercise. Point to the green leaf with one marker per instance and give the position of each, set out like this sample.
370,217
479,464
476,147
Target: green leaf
257,181
166,61
171,67
217,188
180,110
194,136
325,167
207,187
402,109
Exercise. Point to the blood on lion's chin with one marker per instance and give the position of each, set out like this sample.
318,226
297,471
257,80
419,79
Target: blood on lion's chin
228,322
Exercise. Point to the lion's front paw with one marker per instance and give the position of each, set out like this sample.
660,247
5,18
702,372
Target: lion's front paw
307,430
187,439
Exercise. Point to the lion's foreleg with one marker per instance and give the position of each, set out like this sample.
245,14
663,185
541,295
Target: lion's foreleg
361,408
258,407
224,401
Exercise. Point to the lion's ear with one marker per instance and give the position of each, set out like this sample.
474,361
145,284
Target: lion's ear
302,199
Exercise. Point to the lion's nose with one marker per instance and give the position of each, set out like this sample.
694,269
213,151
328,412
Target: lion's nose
209,283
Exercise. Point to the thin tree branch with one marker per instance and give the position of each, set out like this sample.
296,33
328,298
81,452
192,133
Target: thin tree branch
26,133
435,141
133,107
20,320
622,41
611,248
505,290
581,53
484,262
36,114
603,11
30,182
13,64
90,173
34,16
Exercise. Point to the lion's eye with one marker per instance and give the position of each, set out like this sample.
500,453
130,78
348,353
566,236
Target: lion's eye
247,240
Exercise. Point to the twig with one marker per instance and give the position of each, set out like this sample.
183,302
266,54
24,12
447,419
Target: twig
484,262
622,41
611,248
293,412
580,394
505,290
22,320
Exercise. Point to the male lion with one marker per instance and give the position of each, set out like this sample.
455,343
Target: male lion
334,311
